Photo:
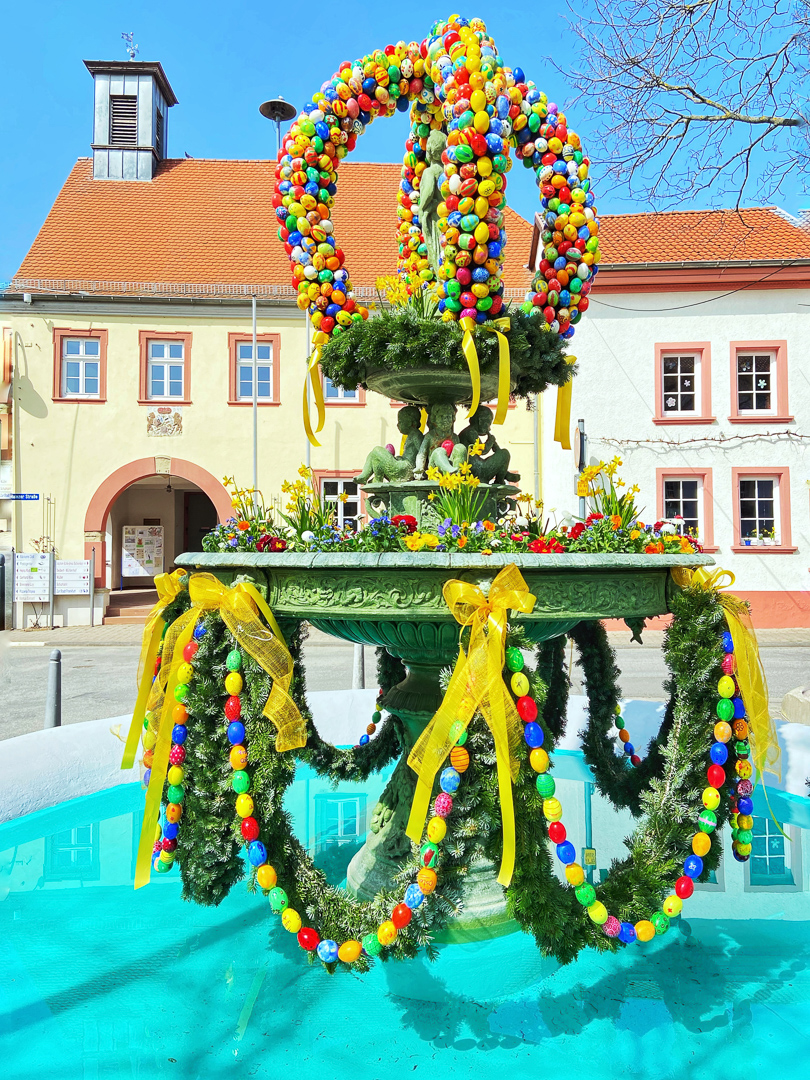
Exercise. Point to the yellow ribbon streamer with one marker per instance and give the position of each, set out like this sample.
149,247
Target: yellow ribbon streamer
168,588
562,419
239,608
765,752
471,356
504,372
477,685
317,390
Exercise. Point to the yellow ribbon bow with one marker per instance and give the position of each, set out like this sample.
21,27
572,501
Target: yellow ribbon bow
504,370
765,752
562,418
168,589
477,685
239,608
312,376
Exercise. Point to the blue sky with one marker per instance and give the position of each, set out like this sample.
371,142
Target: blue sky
222,61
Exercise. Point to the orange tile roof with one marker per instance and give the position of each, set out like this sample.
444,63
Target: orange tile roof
205,222
761,233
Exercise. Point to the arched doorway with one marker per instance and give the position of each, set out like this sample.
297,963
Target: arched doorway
175,497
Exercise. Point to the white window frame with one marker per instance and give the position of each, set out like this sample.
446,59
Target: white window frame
335,499
777,517
82,359
701,507
792,879
332,393
756,354
165,362
249,362
697,357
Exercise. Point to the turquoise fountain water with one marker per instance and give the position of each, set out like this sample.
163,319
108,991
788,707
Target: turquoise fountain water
101,981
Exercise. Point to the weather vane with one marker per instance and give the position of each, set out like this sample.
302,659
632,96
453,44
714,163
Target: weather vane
132,50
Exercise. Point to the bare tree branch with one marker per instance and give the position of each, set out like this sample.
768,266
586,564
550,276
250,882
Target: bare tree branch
694,92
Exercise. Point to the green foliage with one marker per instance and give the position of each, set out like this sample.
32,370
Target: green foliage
399,338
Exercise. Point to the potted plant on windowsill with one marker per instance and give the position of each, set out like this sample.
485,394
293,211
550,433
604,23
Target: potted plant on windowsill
769,538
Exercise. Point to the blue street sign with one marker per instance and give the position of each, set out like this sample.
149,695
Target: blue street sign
21,497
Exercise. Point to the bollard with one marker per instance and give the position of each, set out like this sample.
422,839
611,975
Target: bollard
53,703
359,671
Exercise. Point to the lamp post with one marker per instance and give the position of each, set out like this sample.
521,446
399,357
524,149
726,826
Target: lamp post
277,109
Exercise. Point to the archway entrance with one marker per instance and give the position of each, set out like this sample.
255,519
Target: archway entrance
144,515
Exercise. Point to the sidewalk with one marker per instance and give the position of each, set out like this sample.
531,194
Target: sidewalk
131,634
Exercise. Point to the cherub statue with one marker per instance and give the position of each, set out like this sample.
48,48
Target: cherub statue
430,196
381,464
441,418
493,468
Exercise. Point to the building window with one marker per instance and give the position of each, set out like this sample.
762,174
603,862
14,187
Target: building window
762,509
681,504
756,378
681,387
345,496
123,120
774,859
80,365
683,383
759,382
339,819
243,369
247,371
165,369
336,395
684,496
73,855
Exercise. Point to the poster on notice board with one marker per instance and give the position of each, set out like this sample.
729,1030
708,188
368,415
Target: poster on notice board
142,551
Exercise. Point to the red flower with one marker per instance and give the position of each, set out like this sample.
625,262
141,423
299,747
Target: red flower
538,546
577,531
657,526
589,520
274,543
408,520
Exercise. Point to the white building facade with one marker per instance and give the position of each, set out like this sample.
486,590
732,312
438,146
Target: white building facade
697,375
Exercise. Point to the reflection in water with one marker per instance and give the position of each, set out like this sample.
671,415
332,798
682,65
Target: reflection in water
126,984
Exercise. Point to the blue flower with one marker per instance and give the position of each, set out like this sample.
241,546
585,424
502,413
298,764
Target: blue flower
234,542
455,531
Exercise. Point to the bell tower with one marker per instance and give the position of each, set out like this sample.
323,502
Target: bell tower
132,99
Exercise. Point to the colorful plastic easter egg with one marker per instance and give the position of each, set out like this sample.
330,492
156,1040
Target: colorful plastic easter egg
401,916
250,828
327,951
722,731
349,951
627,933
428,854
533,734
684,887
443,804
711,798
645,931
538,759
672,906
244,806
660,921
233,661
514,659
574,874
597,912
707,822
526,709
426,880
308,938
519,684
724,709
371,945
459,759
266,876
387,933
233,683
174,811
185,673
545,786
240,781
238,757
236,732
449,780
726,687
585,894
436,829
413,896
552,810
278,900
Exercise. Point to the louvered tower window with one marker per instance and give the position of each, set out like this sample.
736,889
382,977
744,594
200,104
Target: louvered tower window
159,134
123,120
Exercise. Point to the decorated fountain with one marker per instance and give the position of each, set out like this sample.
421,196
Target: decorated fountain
465,592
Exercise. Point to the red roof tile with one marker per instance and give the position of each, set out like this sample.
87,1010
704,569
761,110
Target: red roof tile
212,222
760,233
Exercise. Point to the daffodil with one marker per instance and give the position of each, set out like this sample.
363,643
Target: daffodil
433,473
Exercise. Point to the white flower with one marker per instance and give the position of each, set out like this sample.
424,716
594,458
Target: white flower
522,522
495,543
670,403
668,527
307,536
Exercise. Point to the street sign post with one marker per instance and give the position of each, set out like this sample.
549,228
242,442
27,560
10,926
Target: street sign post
17,496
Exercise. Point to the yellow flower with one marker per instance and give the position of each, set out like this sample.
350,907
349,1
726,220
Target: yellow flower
462,541
433,473
465,468
486,551
303,470
476,449
234,503
635,534
431,495
343,496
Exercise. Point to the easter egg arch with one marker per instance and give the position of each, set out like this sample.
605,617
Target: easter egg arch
455,83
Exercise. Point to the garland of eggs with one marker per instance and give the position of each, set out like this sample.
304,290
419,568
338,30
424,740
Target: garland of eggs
454,82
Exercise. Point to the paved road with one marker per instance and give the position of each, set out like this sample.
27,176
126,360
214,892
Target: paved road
99,665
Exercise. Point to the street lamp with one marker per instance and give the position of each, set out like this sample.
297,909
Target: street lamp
277,109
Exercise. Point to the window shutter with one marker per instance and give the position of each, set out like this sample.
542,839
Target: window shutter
159,134
123,120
